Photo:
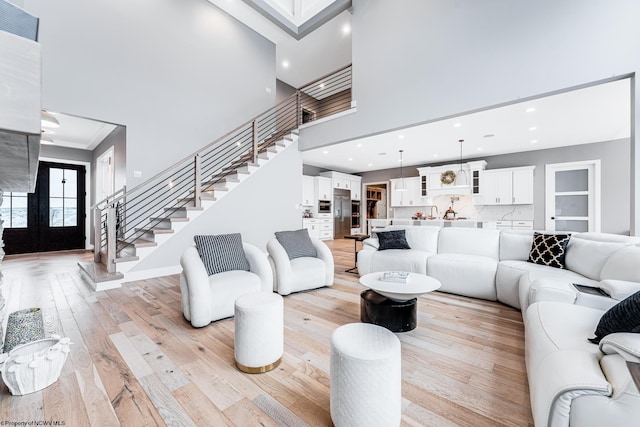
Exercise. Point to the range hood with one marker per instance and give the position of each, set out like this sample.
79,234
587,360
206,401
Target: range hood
432,183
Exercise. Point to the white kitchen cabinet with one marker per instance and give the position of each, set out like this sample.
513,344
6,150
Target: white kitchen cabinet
496,187
410,197
355,190
319,228
504,225
308,190
342,183
509,225
523,187
312,226
326,229
506,186
522,225
396,196
324,191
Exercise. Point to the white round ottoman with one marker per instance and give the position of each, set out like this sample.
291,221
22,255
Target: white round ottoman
259,332
365,376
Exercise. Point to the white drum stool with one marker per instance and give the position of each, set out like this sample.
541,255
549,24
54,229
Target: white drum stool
365,376
259,332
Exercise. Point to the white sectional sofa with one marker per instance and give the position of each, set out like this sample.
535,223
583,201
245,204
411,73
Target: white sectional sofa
572,381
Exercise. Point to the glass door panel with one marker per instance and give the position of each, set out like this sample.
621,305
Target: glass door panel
50,219
571,194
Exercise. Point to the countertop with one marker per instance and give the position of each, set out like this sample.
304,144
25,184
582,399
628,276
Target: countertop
426,222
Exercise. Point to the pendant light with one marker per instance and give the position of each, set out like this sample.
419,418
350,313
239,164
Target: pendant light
461,175
400,185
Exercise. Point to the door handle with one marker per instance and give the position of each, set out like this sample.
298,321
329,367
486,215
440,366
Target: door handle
553,217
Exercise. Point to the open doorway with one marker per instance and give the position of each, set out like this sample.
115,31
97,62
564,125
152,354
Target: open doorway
376,204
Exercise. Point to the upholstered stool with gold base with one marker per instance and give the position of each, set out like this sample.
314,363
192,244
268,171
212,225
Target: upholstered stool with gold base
259,332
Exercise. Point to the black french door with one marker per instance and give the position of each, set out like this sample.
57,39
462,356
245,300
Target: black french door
54,216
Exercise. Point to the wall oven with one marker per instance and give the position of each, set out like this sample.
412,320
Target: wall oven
324,206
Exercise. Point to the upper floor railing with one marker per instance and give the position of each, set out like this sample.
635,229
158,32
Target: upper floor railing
125,217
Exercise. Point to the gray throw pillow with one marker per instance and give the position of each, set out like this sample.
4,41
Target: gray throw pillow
297,243
395,239
622,317
222,252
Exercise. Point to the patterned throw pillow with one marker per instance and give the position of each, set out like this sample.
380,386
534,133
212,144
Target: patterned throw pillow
622,317
549,249
297,243
395,239
222,252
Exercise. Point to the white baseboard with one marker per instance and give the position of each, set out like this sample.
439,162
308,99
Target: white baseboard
133,276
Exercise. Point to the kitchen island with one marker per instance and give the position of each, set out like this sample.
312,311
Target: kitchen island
379,224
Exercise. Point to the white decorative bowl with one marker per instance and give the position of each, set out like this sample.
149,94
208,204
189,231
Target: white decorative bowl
35,365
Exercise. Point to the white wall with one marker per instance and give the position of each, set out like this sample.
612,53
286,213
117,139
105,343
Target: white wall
259,206
118,140
422,60
177,74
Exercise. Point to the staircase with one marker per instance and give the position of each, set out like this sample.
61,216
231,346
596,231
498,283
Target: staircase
131,224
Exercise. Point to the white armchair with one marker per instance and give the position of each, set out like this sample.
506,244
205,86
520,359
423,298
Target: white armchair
209,298
303,273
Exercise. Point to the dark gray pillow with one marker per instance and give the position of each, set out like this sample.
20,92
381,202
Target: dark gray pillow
622,317
222,252
548,249
297,243
395,239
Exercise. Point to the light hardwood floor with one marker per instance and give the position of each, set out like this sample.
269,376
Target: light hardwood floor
135,361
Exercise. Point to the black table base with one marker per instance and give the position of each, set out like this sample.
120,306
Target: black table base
356,238
382,311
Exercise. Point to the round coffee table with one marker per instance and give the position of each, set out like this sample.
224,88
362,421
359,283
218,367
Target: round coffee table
393,305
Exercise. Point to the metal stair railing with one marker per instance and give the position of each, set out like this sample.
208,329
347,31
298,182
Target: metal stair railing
123,218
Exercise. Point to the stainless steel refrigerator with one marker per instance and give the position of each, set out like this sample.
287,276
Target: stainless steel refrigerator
341,213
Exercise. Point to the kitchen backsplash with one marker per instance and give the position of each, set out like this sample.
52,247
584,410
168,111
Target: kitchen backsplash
465,208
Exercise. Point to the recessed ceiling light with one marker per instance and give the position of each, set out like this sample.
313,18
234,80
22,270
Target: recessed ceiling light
358,145
401,136
382,154
285,64
530,110
350,159
346,29
533,128
533,141
479,149
370,164
325,152
457,125
435,155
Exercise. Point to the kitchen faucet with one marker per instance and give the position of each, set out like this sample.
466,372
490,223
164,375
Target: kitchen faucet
431,211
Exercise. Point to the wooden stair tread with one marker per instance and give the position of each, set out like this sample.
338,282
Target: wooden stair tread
139,243
203,196
156,230
97,272
184,208
169,218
